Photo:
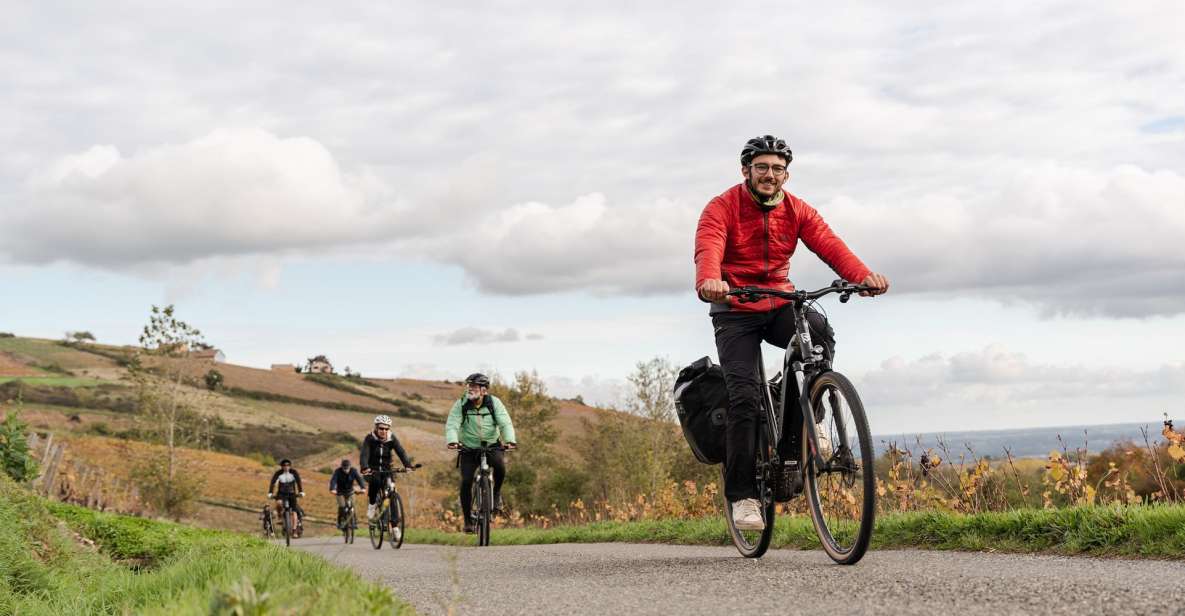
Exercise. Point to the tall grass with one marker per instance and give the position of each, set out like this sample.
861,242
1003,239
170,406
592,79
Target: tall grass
147,567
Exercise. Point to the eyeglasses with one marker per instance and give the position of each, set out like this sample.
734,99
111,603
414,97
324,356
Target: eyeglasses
382,428
762,169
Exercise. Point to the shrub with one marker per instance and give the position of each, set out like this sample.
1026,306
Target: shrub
213,380
15,458
7,335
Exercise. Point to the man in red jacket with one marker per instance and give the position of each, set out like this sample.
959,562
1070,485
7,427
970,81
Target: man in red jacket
746,236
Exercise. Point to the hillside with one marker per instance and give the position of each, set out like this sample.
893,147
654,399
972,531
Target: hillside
84,396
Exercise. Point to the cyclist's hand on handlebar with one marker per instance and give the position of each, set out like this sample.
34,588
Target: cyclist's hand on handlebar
366,472
416,465
511,446
879,284
454,445
713,290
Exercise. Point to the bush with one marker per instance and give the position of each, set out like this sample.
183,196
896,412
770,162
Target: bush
213,380
15,458
174,496
7,335
265,459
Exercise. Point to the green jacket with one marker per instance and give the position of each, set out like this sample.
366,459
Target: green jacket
476,424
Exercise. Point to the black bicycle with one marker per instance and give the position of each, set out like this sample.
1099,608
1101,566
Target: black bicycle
482,509
348,517
289,520
834,459
390,520
269,529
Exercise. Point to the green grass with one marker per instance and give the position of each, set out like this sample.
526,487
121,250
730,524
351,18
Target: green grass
148,567
1155,531
54,381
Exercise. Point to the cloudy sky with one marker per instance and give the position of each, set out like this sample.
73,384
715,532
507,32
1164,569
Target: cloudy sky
429,191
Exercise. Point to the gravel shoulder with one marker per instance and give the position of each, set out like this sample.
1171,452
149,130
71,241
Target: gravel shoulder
671,579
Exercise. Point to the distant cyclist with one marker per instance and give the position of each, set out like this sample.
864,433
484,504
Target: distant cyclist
341,485
287,480
746,236
477,417
377,450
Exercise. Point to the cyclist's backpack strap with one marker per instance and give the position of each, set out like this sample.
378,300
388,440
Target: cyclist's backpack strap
488,402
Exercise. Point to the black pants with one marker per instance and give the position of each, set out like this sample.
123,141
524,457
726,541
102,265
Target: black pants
469,463
738,343
374,487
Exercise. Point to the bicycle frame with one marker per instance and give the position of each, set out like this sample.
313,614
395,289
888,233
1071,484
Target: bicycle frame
810,363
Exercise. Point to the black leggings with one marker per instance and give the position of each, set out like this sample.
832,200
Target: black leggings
469,464
738,343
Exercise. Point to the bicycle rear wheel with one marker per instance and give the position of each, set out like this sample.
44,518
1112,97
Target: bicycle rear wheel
842,494
377,527
754,543
397,521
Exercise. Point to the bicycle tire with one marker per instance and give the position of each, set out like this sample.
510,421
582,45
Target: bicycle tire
487,505
345,522
829,524
397,513
376,529
754,547
287,529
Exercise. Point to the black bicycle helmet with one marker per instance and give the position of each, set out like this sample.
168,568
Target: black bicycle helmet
478,379
285,461
767,144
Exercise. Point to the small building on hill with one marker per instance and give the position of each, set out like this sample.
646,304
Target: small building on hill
319,365
211,354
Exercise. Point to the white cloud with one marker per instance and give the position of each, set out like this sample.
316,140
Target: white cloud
232,192
476,335
997,377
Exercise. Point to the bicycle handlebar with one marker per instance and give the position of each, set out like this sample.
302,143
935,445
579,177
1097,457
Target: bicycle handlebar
406,469
464,449
844,288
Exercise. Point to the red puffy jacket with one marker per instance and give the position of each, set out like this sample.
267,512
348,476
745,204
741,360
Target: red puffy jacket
743,244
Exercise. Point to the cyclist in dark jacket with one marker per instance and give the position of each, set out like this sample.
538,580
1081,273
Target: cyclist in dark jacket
341,485
376,454
288,482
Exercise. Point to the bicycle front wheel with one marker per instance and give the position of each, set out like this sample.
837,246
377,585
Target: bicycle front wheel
287,529
397,521
754,543
351,525
377,527
842,493
483,524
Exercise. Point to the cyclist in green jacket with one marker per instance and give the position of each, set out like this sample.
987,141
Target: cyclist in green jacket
475,418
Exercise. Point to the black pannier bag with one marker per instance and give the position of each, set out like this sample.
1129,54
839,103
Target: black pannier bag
701,401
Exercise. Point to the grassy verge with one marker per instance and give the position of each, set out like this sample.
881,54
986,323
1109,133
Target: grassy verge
1156,531
147,567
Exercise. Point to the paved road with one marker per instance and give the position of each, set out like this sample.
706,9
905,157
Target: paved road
625,579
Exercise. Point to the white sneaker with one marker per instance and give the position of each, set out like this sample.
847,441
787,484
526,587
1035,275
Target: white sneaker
396,534
746,515
369,512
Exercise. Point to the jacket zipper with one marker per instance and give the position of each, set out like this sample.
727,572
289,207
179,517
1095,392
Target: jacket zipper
765,277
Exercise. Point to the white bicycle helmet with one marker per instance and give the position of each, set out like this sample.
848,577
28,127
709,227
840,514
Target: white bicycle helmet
382,419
